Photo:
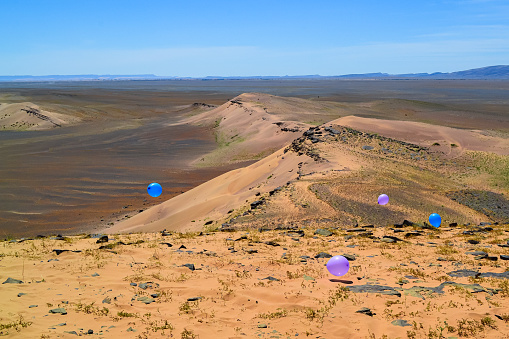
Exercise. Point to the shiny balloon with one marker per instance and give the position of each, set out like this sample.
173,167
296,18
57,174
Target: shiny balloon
383,199
338,265
154,189
435,219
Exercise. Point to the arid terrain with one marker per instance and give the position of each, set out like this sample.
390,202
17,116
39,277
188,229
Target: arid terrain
263,189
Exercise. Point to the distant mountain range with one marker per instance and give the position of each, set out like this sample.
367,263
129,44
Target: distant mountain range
500,72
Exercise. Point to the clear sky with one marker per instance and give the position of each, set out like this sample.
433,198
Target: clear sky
245,37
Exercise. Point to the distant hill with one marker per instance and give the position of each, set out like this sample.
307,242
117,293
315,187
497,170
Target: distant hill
500,72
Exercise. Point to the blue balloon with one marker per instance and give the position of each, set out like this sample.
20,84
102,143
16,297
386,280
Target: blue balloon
435,219
154,189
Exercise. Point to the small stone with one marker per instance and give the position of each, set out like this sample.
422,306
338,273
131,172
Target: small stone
107,300
90,332
504,257
102,239
365,311
32,306
400,322
473,242
323,232
323,255
21,294
133,284
190,266
262,325
12,281
349,257
146,300
130,329
194,299
58,311
270,278
307,277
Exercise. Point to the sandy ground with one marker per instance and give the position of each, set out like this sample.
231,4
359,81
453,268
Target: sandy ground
266,285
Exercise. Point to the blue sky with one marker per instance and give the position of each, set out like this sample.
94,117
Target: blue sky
200,38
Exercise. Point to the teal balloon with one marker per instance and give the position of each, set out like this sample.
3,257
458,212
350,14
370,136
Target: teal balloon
154,189
435,219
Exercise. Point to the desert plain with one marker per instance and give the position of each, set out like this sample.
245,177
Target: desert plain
263,182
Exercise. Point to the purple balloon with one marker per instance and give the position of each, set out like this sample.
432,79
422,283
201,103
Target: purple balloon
383,199
338,265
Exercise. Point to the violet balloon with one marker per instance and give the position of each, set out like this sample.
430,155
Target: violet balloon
383,199
338,265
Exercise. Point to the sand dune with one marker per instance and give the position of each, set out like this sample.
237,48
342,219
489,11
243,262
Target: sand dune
213,199
426,135
28,116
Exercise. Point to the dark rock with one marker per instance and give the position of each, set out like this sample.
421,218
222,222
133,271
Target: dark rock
270,278
58,311
398,225
155,295
262,325
374,289
349,257
504,257
241,238
106,300
365,311
408,223
323,255
391,237
478,253
209,222
412,234
102,239
21,294
146,285
133,284
453,224
400,322
367,147
464,274
473,242
255,204
323,232
12,281
182,247
58,252
491,258
90,332
32,306
272,243
194,299
165,233
167,244
146,300
190,266
251,251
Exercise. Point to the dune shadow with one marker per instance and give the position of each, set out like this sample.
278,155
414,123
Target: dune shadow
348,282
